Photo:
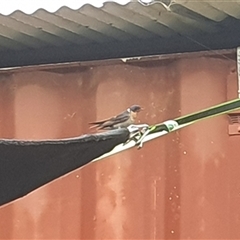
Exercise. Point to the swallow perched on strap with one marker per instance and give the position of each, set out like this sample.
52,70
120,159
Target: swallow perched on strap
122,120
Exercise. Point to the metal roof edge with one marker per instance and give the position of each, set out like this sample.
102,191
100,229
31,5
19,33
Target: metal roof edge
220,53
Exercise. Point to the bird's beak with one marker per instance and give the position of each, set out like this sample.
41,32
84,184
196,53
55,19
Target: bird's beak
141,109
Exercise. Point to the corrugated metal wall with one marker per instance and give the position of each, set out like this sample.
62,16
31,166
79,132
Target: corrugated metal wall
182,186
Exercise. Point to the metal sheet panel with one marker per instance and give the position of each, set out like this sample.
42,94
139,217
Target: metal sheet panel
182,186
111,22
113,30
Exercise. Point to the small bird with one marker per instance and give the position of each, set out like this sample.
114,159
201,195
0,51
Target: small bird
122,120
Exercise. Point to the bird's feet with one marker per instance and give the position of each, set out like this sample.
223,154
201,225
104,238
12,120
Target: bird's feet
137,132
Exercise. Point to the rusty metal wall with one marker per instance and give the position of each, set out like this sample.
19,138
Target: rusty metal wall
182,186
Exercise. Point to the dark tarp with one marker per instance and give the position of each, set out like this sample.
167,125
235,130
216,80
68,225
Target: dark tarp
27,165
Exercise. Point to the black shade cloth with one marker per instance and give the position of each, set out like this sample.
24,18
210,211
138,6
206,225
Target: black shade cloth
27,165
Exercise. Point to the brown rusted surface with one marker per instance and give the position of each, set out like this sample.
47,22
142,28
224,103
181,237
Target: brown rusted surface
182,186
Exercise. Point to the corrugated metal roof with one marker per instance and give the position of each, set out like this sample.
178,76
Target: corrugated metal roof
116,30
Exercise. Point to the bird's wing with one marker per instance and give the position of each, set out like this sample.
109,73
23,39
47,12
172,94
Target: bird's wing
124,116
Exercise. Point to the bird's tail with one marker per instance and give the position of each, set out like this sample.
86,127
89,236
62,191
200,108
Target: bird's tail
94,125
97,124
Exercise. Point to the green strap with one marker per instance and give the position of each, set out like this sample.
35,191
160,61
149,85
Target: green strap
203,114
210,112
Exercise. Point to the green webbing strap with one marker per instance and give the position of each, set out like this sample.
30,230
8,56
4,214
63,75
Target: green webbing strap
203,114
